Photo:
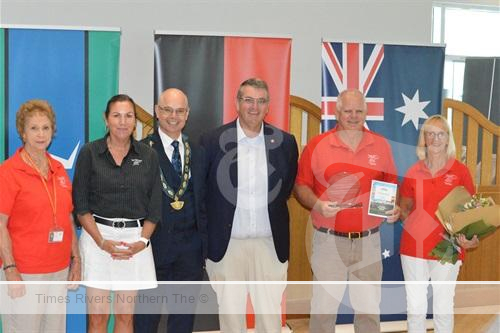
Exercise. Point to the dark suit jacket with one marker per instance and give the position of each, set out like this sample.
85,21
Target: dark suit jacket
162,234
222,185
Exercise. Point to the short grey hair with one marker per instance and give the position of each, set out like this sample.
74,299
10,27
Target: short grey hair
255,83
344,93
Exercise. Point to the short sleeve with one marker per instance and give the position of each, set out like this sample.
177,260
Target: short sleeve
8,190
69,187
390,172
407,189
305,175
467,181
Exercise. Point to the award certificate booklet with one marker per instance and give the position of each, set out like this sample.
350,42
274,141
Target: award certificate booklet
382,198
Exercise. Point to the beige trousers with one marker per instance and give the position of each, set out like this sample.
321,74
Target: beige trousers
41,309
249,260
336,258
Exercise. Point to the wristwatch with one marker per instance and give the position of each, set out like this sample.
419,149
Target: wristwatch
144,240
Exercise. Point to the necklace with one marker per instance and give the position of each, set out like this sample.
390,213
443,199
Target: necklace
167,189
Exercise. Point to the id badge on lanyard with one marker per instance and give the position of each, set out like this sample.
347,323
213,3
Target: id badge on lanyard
56,234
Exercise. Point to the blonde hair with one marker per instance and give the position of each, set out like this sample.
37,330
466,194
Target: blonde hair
422,148
30,108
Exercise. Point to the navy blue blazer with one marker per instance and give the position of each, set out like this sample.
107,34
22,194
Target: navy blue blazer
161,233
222,185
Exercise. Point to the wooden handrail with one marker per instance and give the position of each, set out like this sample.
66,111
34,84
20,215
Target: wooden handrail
468,119
143,116
472,112
146,119
304,104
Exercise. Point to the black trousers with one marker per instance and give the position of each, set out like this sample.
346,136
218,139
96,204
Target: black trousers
182,261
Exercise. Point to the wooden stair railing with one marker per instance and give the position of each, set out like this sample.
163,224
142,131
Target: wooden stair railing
468,126
146,119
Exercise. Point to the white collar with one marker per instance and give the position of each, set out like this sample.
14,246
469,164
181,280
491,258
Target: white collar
167,140
240,134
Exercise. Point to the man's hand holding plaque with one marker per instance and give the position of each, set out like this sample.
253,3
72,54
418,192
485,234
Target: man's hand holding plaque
344,190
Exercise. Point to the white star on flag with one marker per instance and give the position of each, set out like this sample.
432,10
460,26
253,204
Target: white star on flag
386,254
413,109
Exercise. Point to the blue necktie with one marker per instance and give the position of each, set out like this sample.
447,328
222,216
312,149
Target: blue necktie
176,158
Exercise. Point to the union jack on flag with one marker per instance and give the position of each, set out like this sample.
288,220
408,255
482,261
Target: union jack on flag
345,64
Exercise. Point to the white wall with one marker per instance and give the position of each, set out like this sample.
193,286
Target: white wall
389,21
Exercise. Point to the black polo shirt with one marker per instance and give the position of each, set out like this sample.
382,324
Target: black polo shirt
130,190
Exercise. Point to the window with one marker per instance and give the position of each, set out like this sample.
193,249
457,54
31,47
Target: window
466,31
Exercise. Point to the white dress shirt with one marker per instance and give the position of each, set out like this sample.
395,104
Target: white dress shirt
251,218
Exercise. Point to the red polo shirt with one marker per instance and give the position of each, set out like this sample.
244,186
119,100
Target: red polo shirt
326,155
25,201
422,230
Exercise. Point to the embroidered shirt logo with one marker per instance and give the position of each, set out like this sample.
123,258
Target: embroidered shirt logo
62,181
449,179
372,159
136,161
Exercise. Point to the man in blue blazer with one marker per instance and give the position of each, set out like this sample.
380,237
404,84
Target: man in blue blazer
250,169
180,240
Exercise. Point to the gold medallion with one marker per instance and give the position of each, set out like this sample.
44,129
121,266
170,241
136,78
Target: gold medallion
177,205
167,189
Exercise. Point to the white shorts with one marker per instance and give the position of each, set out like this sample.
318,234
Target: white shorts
97,265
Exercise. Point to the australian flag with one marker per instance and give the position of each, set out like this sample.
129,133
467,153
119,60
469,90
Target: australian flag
403,86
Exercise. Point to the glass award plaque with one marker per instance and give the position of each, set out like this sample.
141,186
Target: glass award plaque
344,190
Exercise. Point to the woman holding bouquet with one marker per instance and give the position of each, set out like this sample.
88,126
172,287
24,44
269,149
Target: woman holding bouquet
426,183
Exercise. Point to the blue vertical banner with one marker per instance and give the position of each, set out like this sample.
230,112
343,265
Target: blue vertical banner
76,71
403,87
50,65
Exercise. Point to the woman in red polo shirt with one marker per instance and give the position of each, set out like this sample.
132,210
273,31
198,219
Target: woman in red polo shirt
426,183
37,235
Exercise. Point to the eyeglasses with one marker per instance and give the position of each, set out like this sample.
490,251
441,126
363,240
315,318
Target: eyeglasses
169,111
432,135
251,101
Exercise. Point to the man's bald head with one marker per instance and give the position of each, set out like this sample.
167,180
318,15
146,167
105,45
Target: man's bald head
172,112
173,93
350,94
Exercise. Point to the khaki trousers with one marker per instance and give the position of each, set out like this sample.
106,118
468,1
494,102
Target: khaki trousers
336,258
249,260
41,309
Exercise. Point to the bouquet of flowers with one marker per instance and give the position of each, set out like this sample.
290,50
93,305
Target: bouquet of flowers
461,213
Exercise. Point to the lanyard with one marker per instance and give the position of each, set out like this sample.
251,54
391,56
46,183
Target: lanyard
53,202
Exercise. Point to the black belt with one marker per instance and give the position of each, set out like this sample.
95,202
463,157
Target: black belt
350,235
119,223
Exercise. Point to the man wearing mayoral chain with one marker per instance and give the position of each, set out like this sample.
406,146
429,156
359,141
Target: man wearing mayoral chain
179,241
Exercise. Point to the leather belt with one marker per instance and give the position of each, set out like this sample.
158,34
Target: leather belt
119,223
350,235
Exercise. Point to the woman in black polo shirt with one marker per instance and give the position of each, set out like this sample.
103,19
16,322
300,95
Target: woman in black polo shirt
117,197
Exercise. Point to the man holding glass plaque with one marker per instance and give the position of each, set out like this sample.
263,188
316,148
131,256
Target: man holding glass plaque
334,179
